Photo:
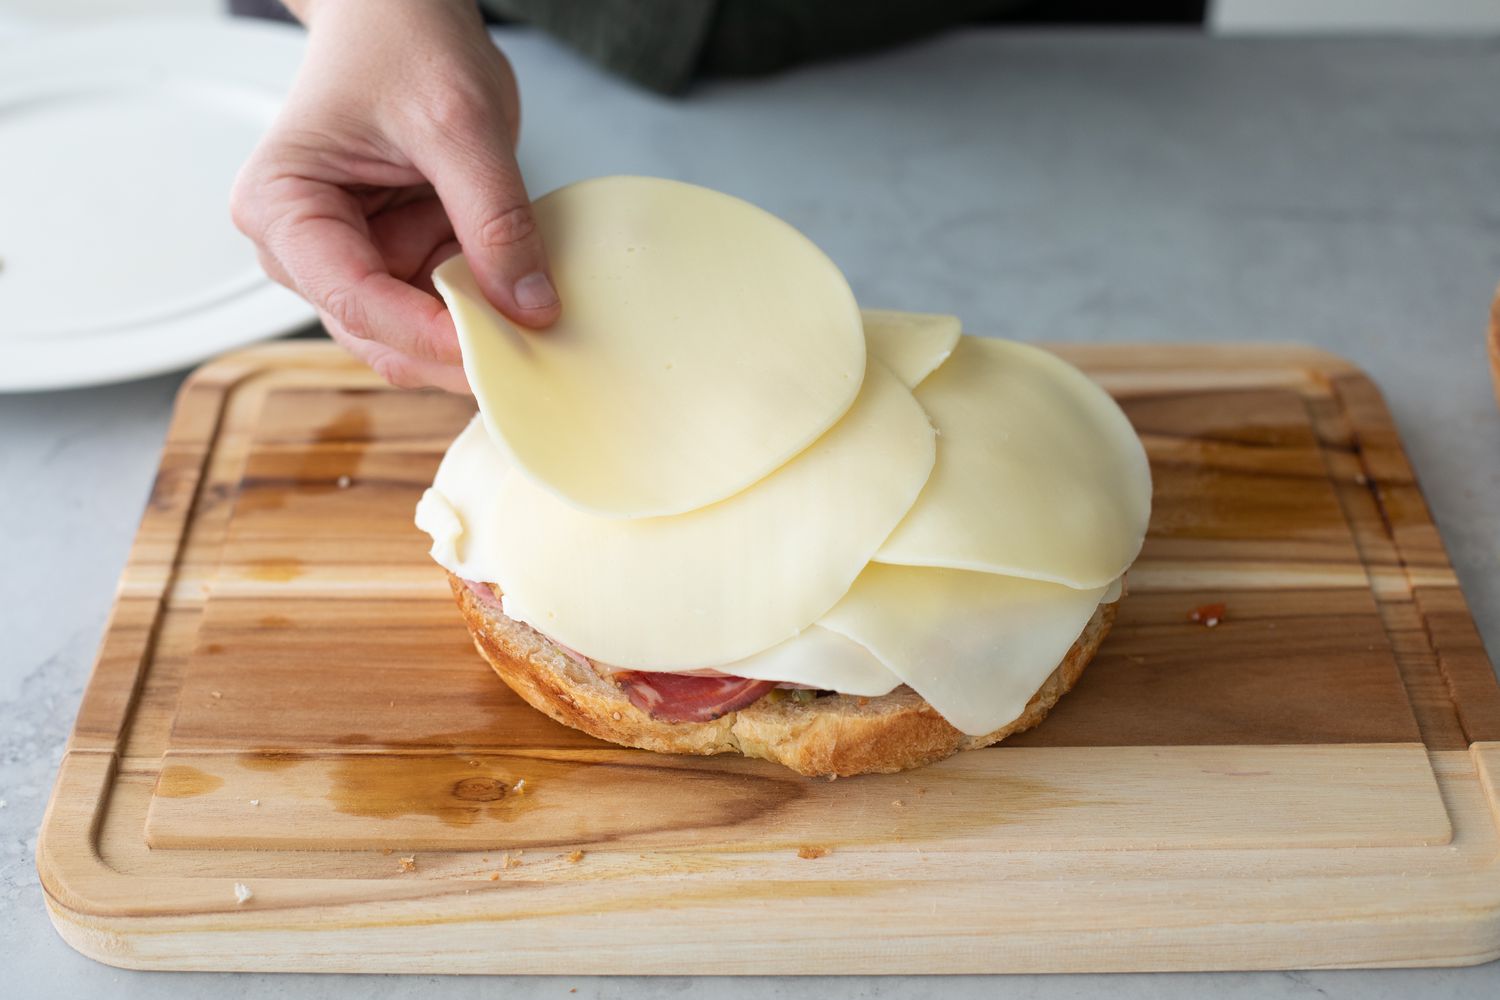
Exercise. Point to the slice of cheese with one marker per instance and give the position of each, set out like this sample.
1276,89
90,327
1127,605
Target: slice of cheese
703,342
464,522
1039,474
700,589
977,646
818,658
814,657
911,344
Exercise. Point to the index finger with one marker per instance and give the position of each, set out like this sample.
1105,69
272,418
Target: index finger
322,240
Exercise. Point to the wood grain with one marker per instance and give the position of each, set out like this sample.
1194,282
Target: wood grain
1220,797
285,698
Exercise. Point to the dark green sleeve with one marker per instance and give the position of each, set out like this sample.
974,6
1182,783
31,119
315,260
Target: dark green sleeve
664,44
763,36
656,43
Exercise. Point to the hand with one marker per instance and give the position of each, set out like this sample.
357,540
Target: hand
396,147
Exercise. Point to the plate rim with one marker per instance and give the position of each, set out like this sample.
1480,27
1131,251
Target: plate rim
238,51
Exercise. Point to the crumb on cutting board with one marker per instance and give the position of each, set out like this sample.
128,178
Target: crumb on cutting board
242,893
1208,615
809,852
408,863
575,856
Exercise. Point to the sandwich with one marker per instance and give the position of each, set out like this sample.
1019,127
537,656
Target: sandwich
721,508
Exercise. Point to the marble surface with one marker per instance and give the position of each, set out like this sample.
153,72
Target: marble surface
1046,186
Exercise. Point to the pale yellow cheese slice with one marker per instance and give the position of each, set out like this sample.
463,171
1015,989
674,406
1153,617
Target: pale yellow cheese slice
977,646
466,527
911,344
814,657
703,342
700,589
821,659
1038,475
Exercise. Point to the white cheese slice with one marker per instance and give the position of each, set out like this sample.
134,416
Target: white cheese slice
703,342
458,511
911,344
1038,475
818,658
700,589
436,516
977,646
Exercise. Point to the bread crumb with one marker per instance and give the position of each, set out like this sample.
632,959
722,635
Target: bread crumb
494,876
344,482
408,863
808,853
217,694
1208,615
255,802
242,893
897,803
575,857
509,862
519,788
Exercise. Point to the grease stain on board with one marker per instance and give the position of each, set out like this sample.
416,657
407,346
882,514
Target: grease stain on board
269,760
457,790
179,781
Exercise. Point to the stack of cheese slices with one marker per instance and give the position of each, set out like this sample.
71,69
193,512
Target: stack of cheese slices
719,508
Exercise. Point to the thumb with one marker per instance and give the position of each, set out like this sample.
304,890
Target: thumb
475,175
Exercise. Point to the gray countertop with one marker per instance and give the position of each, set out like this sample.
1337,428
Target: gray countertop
1045,186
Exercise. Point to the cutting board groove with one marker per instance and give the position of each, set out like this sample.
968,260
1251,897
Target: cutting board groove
286,699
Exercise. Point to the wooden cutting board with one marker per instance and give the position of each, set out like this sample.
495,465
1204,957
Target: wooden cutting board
287,700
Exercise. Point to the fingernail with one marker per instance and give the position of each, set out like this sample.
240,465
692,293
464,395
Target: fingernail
535,292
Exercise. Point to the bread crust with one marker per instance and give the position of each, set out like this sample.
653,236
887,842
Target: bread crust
832,736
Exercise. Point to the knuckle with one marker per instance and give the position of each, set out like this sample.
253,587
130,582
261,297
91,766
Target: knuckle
510,228
344,306
396,370
457,111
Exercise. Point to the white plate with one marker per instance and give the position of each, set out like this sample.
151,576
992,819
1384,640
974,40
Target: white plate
118,146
